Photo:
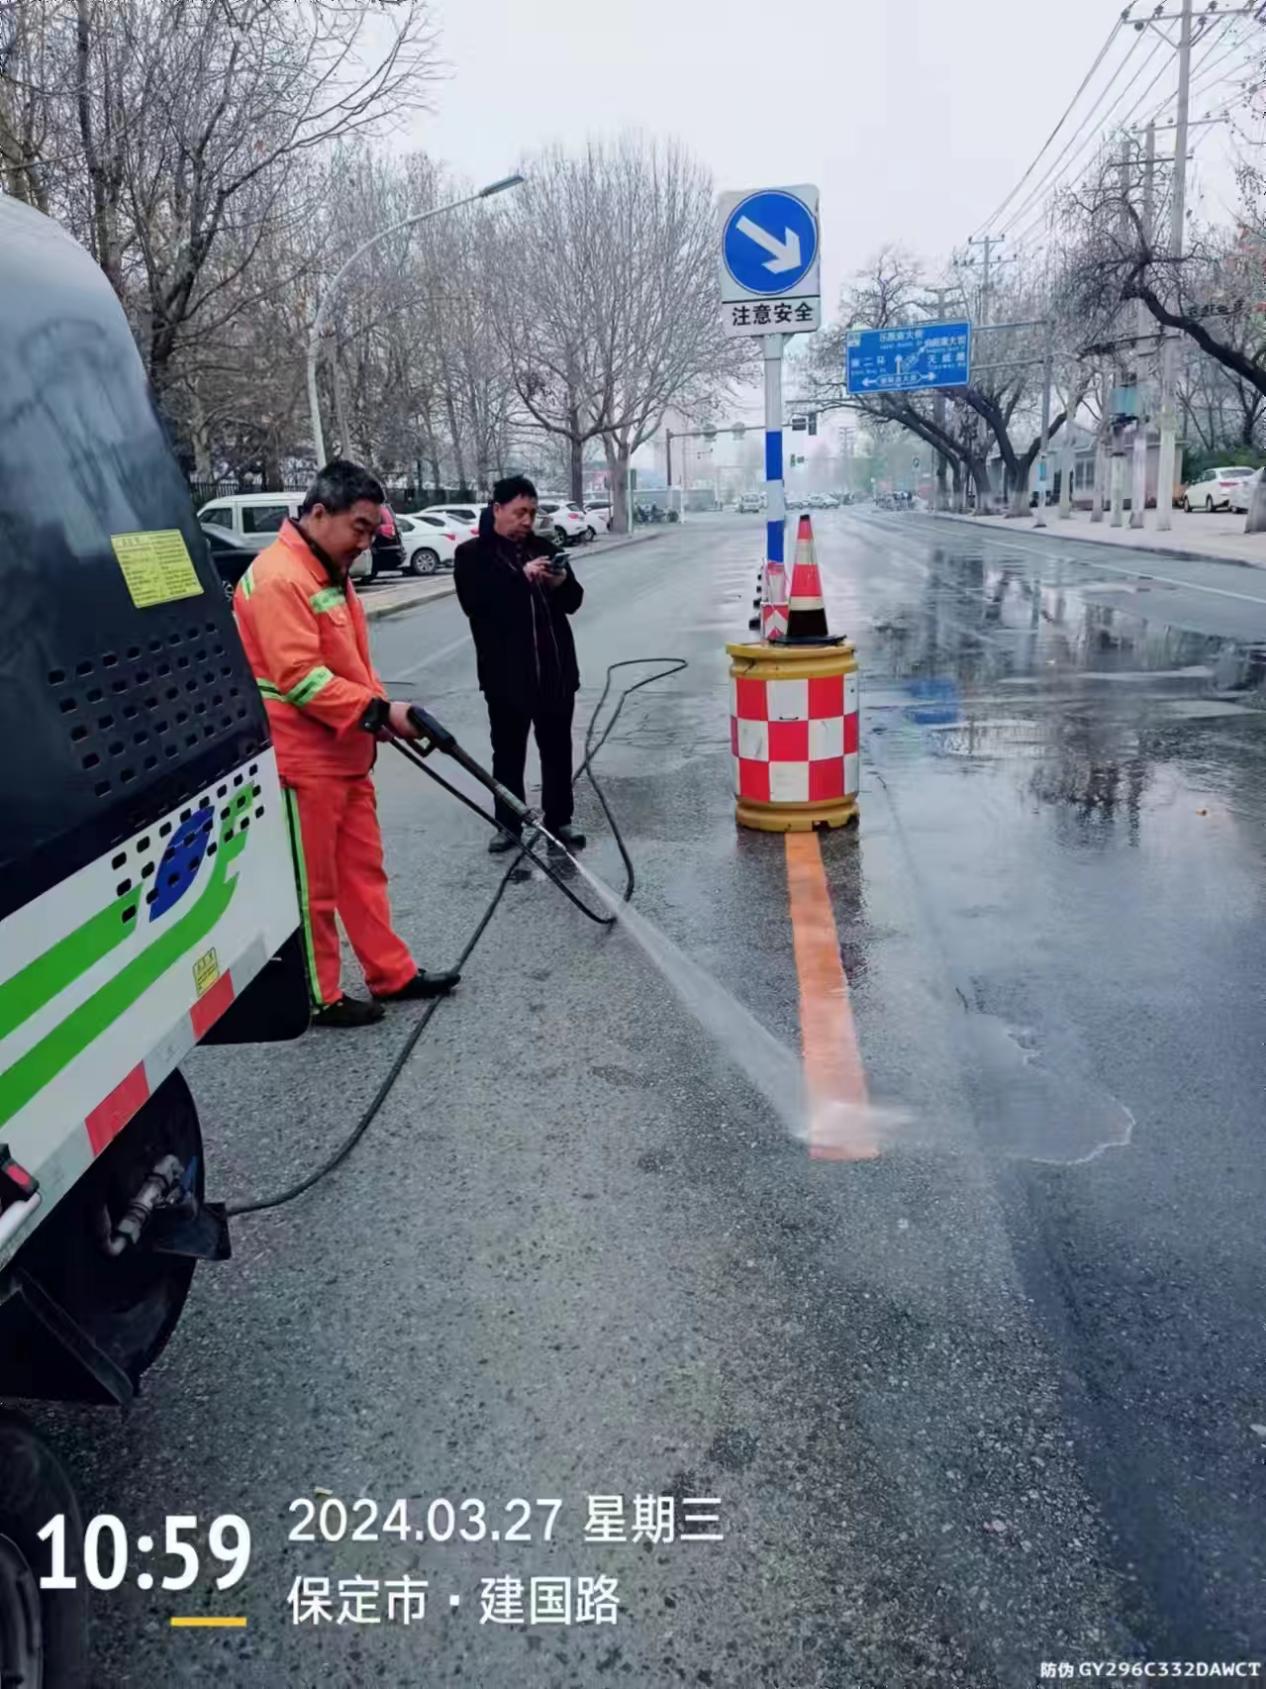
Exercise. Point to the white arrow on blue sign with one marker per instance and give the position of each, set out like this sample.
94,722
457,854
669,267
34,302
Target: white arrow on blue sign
770,242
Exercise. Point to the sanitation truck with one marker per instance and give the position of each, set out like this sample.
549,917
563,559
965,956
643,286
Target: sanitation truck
147,897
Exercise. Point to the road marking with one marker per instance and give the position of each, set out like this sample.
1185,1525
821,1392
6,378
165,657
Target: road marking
838,1099
434,657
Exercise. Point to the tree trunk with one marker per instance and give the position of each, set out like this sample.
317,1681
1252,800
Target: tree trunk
618,477
984,487
576,466
1255,521
199,436
270,466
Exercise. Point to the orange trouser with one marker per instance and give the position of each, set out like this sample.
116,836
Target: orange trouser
338,860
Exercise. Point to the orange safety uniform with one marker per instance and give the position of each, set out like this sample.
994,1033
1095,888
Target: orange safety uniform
308,646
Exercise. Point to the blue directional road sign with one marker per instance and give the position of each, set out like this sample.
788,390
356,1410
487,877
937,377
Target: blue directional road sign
770,260
770,242
903,360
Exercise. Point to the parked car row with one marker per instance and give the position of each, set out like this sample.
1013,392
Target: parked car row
423,542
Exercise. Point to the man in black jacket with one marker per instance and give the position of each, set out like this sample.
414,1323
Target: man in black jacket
518,593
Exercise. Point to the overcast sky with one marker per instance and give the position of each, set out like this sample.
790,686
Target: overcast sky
914,117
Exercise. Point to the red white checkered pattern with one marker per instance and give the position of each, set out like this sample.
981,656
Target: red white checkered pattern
795,741
773,610
104,1123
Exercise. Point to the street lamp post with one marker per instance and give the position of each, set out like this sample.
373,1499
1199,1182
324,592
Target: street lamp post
318,322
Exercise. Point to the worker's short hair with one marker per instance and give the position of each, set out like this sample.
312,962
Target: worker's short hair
511,487
340,485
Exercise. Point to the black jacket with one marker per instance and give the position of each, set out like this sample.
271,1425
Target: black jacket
523,641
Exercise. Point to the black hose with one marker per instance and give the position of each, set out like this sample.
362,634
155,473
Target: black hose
593,744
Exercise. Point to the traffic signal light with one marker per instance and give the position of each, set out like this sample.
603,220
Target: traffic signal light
813,422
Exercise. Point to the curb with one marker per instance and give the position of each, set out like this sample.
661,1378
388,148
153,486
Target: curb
1181,556
379,612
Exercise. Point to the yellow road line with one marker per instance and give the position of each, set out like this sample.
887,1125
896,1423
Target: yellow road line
838,1099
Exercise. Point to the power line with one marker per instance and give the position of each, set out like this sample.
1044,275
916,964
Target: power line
1064,164
1085,81
1216,29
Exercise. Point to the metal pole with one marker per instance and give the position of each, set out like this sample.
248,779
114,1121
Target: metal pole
1101,450
1138,489
1043,467
1169,344
670,457
323,307
775,495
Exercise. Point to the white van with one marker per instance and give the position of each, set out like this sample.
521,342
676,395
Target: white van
254,520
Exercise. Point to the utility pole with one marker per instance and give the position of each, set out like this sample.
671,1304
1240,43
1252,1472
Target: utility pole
1101,448
1142,417
1042,465
986,243
1169,342
1125,235
670,457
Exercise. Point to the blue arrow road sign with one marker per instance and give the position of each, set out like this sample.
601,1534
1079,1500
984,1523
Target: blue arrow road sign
770,242
902,360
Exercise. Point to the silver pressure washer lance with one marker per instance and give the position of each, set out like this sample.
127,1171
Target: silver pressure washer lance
434,736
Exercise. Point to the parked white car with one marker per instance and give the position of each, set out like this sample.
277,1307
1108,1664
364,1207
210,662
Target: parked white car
1214,488
464,516
430,542
598,516
1242,496
570,523
254,520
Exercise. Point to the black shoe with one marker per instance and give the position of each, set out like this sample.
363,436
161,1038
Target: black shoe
500,843
570,837
422,984
347,1011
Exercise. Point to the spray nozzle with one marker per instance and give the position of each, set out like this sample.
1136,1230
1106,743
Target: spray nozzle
434,735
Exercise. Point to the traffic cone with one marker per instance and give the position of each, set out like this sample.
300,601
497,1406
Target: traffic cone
806,613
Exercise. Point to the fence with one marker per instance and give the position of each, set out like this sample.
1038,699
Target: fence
402,496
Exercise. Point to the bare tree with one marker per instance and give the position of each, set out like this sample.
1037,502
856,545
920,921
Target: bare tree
169,135
607,305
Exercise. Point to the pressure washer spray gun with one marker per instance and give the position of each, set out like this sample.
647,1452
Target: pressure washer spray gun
434,736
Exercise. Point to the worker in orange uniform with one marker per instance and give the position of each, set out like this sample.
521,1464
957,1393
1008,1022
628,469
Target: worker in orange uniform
306,640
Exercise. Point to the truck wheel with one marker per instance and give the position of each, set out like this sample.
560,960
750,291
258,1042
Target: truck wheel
43,1632
128,1304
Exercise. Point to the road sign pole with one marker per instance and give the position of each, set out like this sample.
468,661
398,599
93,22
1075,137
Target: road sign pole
775,498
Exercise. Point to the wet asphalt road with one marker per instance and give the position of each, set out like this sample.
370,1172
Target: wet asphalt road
994,1398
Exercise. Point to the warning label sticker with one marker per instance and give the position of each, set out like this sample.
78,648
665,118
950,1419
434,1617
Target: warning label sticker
206,970
156,566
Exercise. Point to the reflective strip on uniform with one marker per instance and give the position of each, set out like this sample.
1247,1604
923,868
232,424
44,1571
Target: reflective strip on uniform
247,582
301,693
309,686
329,598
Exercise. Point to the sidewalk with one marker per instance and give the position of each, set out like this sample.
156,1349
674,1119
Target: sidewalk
1219,538
406,594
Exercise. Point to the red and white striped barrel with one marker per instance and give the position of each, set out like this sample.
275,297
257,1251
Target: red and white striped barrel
796,738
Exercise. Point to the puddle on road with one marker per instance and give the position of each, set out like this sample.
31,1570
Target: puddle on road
1031,713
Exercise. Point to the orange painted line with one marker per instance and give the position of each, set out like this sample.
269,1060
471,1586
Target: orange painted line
836,1079
207,1623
